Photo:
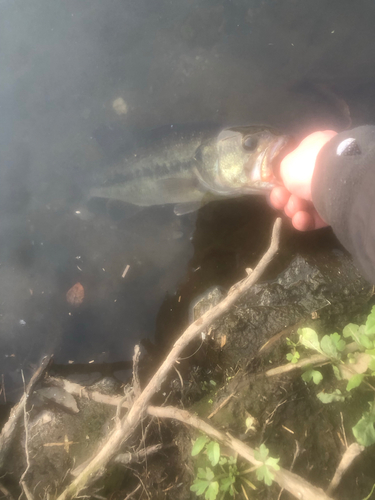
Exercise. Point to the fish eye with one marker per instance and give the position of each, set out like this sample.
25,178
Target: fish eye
249,143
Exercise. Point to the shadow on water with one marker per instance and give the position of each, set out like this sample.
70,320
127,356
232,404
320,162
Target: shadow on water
223,62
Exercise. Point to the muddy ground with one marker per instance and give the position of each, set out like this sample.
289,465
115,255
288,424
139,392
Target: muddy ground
221,374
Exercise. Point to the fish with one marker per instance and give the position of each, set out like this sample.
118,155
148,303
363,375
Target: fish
187,168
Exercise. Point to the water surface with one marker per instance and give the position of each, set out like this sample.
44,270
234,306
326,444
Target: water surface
226,62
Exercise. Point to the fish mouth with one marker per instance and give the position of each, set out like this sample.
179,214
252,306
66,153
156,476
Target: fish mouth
272,157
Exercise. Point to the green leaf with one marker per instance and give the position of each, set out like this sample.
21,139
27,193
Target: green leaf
213,452
273,462
199,486
336,372
199,444
365,341
313,375
371,365
226,482
201,473
293,357
338,342
264,474
262,454
212,491
223,461
370,322
364,430
328,347
309,338
355,381
326,397
351,330
212,382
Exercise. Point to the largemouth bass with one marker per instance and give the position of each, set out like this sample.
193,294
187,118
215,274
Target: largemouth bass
186,168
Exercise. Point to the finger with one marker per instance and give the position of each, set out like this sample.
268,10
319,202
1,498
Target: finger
308,220
303,221
279,197
296,204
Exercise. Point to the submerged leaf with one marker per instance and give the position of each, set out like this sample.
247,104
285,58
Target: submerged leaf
75,295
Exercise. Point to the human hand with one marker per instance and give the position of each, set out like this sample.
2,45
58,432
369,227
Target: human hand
296,171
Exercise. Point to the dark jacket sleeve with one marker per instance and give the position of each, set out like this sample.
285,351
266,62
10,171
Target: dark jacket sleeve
343,192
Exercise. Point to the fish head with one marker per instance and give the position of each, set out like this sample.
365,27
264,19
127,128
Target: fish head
246,158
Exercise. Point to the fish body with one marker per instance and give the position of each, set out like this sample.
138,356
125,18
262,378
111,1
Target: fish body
182,168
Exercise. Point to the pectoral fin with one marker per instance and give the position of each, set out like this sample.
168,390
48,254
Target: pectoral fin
187,208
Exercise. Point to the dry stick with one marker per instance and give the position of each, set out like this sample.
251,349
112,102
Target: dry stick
23,483
130,422
7,433
128,497
221,405
81,391
127,458
297,486
284,478
136,383
350,454
5,492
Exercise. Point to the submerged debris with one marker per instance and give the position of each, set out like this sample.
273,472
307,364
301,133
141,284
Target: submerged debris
75,295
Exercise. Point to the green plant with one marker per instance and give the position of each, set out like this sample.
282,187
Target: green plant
264,472
225,477
352,358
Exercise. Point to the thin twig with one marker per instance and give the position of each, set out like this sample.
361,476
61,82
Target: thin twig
221,405
5,492
136,383
137,412
128,458
297,486
8,431
23,483
3,388
128,497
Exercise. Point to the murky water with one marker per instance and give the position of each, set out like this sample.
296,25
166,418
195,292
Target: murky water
63,66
